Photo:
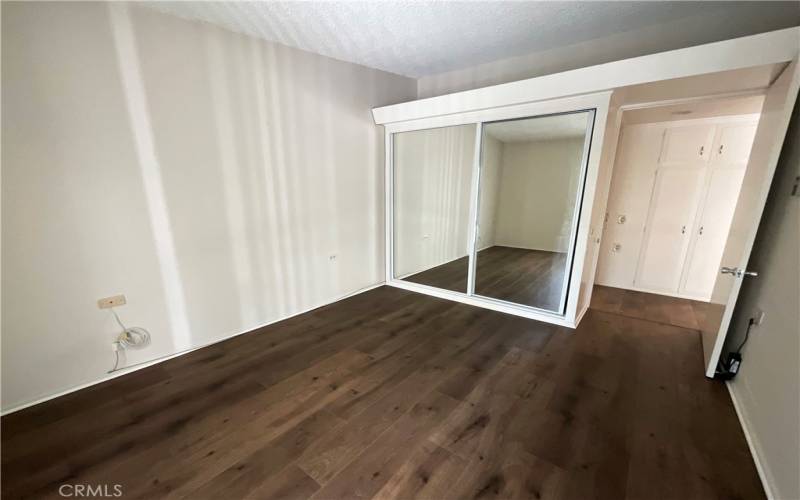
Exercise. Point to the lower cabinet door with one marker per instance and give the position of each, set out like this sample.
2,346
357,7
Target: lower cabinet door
669,228
705,252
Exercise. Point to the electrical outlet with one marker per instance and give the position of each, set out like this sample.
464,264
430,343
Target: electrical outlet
758,317
114,301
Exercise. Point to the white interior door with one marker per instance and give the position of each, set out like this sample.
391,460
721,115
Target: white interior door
669,228
778,104
711,231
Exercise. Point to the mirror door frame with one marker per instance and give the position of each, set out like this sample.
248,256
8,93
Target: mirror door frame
596,102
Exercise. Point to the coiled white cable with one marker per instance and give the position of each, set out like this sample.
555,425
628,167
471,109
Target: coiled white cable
135,338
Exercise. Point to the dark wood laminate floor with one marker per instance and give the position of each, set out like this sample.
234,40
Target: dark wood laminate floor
392,394
659,308
530,277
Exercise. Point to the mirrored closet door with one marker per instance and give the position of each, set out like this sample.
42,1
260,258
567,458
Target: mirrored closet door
530,179
490,209
432,189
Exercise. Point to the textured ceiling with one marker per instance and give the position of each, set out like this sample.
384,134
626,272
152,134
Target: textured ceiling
418,38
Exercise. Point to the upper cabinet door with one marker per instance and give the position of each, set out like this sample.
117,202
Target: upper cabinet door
734,142
687,144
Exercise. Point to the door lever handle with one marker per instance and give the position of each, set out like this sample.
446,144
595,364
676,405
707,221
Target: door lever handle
738,273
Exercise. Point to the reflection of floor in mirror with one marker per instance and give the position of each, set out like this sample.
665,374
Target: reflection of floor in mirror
659,308
529,277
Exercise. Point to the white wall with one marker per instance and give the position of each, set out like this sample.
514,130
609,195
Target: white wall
767,389
491,171
206,175
537,192
608,155
432,186
629,196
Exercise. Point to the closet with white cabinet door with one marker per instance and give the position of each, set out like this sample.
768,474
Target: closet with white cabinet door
692,172
722,184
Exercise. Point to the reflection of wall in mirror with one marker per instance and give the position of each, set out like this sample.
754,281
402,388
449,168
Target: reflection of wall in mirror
536,194
432,183
491,163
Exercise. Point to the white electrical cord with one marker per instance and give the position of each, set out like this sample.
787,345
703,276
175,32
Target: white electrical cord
134,338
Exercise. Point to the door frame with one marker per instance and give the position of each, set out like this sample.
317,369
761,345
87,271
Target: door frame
791,78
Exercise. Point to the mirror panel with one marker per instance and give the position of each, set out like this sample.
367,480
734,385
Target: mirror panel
432,186
531,175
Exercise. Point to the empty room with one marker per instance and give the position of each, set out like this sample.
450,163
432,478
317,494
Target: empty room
400,249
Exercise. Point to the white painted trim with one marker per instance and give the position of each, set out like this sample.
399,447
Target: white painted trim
549,107
474,207
485,303
582,313
751,442
579,208
139,366
599,104
721,96
586,202
610,145
791,78
388,212
756,50
709,120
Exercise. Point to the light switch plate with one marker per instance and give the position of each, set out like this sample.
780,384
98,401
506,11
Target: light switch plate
115,301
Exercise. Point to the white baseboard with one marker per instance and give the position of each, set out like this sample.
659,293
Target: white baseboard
145,364
581,314
743,421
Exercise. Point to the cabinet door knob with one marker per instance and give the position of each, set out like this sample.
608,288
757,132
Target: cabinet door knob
701,229
702,149
720,148
683,229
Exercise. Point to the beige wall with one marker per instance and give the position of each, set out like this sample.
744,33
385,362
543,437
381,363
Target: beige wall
537,192
208,176
767,388
432,188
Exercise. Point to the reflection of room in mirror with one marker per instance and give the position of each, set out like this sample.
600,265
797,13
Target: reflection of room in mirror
530,173
432,189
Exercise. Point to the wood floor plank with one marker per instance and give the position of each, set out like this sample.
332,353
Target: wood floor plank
429,473
290,484
370,471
